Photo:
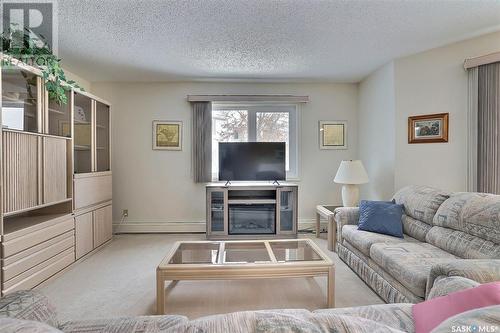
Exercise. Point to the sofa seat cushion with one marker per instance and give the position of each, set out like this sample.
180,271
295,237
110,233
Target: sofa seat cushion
363,240
409,263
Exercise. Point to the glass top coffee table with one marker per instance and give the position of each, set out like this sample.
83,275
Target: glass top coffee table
252,259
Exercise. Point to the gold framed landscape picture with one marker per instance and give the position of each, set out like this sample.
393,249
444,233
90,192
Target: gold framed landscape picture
167,135
428,128
333,134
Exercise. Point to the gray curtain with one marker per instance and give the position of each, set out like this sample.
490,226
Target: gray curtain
488,151
202,141
472,93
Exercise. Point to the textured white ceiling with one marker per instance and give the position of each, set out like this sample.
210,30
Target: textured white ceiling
126,40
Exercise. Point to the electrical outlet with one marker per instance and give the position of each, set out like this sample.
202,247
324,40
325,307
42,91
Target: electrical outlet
125,213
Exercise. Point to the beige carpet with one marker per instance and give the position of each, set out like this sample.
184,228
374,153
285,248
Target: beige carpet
119,280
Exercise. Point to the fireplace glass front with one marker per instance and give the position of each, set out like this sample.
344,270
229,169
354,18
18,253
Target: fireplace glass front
252,219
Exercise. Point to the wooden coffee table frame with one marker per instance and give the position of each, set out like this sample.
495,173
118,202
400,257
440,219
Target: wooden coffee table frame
235,271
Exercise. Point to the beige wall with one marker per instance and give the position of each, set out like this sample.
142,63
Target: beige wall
85,84
376,145
156,186
435,82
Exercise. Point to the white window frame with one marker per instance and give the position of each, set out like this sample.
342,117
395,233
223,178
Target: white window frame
293,135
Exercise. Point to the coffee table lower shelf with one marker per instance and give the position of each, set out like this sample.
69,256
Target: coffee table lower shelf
169,270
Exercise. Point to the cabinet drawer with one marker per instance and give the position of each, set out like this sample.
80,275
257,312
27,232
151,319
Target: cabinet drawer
29,258
41,272
92,189
24,242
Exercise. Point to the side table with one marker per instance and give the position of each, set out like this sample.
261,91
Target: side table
326,212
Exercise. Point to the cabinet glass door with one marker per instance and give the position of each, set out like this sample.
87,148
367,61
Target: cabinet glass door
83,133
102,133
20,99
287,203
217,211
59,117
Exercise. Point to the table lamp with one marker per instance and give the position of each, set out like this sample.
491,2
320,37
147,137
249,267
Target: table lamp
351,173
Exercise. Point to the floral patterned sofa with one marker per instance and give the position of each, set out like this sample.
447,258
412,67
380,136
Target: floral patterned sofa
445,234
29,311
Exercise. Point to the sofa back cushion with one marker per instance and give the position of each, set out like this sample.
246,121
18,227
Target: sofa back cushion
461,244
420,204
476,214
468,225
415,228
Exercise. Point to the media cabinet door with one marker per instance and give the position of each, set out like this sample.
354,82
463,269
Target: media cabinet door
217,211
287,210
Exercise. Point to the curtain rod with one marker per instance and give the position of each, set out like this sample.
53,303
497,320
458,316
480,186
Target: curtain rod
482,60
248,98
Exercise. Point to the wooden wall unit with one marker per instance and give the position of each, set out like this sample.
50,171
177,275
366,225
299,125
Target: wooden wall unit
50,216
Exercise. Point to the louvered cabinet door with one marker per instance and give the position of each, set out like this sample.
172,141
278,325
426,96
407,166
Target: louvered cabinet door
54,170
21,154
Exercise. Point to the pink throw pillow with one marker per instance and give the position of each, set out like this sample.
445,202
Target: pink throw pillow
429,314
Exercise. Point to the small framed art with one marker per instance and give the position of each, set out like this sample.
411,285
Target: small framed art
167,135
332,134
428,128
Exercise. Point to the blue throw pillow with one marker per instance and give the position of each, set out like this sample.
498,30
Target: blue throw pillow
383,217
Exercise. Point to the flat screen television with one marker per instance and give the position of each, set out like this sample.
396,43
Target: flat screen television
252,161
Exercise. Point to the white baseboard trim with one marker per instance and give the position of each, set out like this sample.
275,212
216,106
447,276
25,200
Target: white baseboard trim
180,227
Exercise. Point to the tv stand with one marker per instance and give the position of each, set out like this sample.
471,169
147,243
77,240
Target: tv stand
251,210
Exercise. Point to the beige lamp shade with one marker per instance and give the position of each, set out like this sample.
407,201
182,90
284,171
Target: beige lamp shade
351,172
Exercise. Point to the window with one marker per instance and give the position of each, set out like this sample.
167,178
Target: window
256,123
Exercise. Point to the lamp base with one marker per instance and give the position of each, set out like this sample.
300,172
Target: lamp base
350,195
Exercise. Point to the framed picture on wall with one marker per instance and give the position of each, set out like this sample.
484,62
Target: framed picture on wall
332,134
428,128
167,135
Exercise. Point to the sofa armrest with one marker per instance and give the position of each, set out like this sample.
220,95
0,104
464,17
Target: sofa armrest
444,285
28,305
344,216
479,270
139,324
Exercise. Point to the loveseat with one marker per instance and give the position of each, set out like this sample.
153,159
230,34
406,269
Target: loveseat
445,234
29,311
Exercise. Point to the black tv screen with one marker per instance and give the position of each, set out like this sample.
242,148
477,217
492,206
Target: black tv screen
252,161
